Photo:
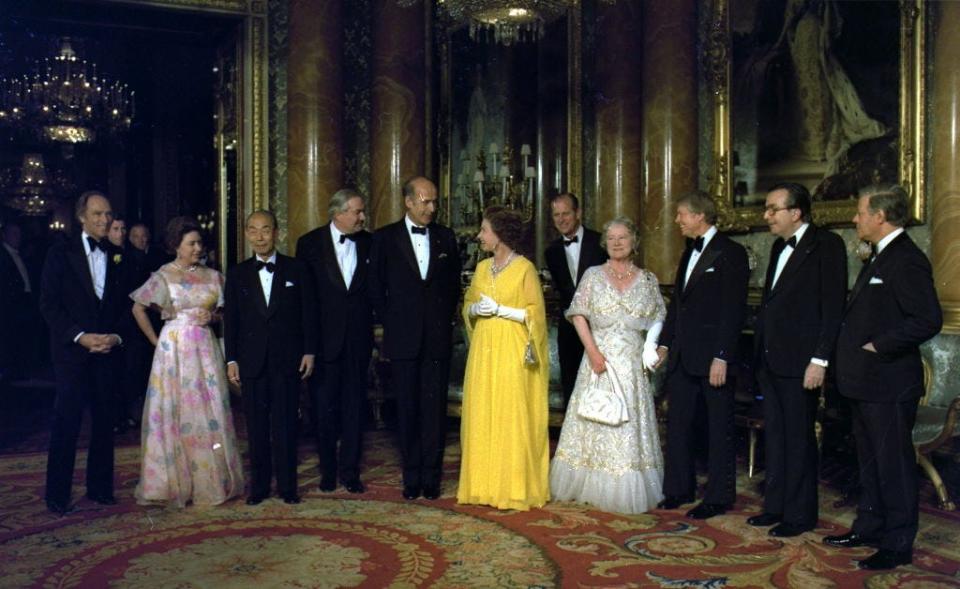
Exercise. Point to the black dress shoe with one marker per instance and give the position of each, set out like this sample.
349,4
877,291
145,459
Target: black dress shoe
355,487
708,510
328,485
291,499
411,492
885,559
102,499
255,499
850,540
674,501
764,519
431,492
786,530
58,508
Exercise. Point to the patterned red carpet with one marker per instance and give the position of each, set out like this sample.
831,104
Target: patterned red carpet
380,540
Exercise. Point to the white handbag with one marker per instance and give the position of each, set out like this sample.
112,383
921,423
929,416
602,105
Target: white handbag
604,401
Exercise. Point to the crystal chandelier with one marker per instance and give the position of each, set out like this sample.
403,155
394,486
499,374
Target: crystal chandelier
31,189
65,100
509,21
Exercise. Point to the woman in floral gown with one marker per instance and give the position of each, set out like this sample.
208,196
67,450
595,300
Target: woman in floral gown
190,451
618,313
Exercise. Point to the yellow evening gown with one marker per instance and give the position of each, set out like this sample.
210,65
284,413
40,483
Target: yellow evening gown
503,428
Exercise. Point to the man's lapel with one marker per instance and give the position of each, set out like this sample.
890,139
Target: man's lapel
405,244
329,253
363,256
276,286
77,257
434,236
707,257
254,287
804,248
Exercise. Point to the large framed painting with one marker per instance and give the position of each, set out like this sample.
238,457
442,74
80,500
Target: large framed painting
826,93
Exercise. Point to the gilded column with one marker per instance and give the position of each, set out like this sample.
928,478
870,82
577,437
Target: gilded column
398,110
945,164
669,143
619,111
315,112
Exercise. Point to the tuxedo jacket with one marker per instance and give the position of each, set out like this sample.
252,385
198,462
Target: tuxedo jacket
344,314
705,316
799,317
11,282
591,254
894,305
417,314
69,303
278,334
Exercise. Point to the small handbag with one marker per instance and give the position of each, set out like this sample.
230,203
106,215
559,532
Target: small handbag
529,352
603,400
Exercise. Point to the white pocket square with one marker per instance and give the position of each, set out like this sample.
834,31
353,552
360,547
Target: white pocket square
288,283
876,280
442,255
708,270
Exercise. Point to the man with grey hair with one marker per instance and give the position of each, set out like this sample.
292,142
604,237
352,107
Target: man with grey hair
891,310
338,254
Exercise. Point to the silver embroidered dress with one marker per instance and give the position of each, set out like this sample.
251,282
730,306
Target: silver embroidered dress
614,468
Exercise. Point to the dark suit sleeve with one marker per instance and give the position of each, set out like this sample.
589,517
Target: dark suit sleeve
231,315
732,302
62,326
666,336
378,288
306,254
912,286
456,266
308,309
832,295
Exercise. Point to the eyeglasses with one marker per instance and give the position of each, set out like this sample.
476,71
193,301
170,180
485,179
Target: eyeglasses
775,210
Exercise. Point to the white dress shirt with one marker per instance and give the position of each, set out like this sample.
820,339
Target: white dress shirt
695,255
421,247
786,253
97,262
883,243
572,251
18,262
266,277
346,254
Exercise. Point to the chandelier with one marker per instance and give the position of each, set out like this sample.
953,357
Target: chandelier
31,189
509,21
65,100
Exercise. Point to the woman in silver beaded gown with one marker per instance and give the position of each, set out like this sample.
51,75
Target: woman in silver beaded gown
618,312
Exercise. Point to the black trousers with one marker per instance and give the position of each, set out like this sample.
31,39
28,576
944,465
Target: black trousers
888,508
790,414
686,392
270,403
339,392
138,358
90,385
570,353
421,387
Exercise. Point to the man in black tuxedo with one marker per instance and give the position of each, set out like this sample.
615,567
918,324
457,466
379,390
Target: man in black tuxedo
339,256
18,307
568,257
415,289
796,330
700,336
270,341
890,311
82,299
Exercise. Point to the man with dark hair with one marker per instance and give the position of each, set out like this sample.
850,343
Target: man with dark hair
568,257
82,298
339,256
700,334
415,289
795,333
890,311
270,340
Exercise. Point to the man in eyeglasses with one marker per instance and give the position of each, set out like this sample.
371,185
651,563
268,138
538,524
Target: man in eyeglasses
415,288
796,330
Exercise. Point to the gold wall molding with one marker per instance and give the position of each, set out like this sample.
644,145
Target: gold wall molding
951,317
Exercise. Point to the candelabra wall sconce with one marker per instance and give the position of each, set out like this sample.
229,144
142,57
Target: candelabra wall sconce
496,181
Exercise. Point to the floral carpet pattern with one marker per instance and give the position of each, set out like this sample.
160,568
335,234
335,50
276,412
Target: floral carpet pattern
380,540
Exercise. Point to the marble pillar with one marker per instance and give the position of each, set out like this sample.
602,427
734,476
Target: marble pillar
398,110
945,165
670,139
315,112
618,102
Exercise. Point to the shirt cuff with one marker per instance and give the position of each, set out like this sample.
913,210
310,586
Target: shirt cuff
231,362
720,360
79,335
819,362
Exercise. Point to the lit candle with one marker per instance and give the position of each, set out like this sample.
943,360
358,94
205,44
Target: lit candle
525,153
478,178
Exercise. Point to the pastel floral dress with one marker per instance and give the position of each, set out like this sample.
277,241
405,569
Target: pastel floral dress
189,444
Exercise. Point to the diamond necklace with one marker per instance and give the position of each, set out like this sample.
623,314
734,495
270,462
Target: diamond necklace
495,269
620,276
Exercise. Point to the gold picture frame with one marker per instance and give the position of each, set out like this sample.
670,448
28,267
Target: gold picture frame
911,172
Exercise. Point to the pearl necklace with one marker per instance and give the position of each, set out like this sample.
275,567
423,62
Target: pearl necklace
495,269
190,268
628,274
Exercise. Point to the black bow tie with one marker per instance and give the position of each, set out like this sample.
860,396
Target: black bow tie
792,242
270,266
574,239
350,236
698,244
420,230
94,244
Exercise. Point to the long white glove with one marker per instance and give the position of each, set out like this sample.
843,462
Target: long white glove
485,307
650,356
513,314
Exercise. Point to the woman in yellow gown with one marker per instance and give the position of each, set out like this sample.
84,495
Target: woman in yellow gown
503,431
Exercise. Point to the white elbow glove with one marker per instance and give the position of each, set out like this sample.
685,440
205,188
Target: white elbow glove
513,314
650,356
485,307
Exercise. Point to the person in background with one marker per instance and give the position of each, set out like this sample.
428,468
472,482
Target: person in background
118,233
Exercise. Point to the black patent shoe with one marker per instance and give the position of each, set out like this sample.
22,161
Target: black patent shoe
885,559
